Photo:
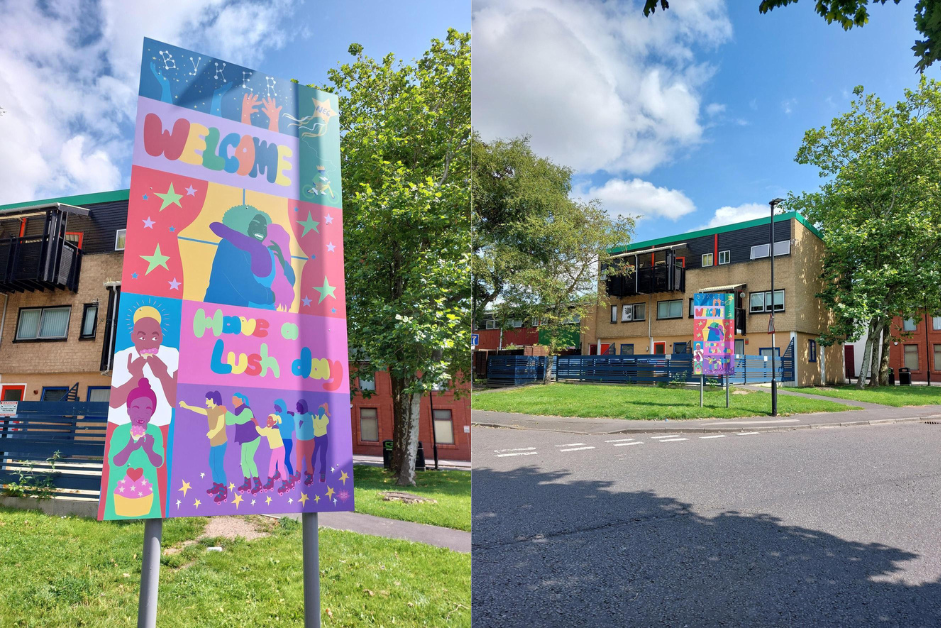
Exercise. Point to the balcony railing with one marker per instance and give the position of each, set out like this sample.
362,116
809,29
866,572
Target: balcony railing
39,263
648,280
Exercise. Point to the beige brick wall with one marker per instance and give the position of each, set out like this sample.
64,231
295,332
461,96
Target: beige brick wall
72,355
36,381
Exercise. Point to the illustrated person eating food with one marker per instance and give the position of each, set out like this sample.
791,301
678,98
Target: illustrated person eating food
136,452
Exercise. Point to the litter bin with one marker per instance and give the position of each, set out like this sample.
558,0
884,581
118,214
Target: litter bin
420,458
891,377
387,454
905,376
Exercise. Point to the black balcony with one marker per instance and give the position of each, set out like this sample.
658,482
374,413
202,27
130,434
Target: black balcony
740,317
661,278
44,261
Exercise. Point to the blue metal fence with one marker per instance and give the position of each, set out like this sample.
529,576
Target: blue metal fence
514,370
74,431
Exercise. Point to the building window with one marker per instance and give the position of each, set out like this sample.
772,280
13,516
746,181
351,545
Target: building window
365,384
119,239
670,309
725,257
911,357
633,312
782,248
739,346
368,425
54,393
89,322
691,311
99,393
614,313
936,323
659,348
811,350
760,250
43,323
628,349
937,357
490,324
707,259
761,301
909,324
444,427
680,347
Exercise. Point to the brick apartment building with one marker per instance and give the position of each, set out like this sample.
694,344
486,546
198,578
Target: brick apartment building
60,279
650,311
920,347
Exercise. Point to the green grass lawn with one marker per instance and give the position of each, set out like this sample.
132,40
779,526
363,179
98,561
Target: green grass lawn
80,572
897,396
451,489
640,402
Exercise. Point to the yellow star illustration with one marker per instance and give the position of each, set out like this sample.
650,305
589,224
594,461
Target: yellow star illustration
197,503
303,498
330,492
344,477
170,198
237,501
231,486
186,487
316,499
323,109
268,500
157,259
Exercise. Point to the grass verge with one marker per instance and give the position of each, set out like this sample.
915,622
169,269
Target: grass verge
451,489
641,402
897,396
79,572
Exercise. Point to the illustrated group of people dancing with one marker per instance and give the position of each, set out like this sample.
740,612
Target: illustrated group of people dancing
301,431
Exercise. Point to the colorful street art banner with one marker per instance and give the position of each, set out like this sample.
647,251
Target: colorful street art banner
714,334
230,388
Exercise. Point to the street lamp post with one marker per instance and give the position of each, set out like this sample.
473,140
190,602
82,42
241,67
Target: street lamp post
774,383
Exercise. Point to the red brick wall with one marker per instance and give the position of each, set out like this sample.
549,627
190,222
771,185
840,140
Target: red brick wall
896,352
381,400
490,338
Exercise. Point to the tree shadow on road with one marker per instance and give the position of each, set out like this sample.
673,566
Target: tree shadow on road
640,559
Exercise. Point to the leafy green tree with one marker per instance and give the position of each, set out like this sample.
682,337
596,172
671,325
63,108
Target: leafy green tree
406,210
855,13
880,213
537,250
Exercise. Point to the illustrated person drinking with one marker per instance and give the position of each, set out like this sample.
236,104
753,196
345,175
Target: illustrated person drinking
136,452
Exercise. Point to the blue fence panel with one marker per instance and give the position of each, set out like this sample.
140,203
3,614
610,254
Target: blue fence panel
626,369
513,370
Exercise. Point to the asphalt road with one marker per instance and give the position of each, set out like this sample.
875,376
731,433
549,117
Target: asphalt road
828,527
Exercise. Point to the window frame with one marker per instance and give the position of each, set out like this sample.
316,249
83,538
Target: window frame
42,308
660,344
812,350
692,312
766,245
631,345
614,314
905,354
728,257
374,417
89,390
670,318
45,389
936,323
905,324
434,425
633,307
711,260
937,357
117,238
94,329
766,310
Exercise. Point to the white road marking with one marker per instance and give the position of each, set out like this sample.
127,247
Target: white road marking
671,440
618,440
570,445
666,436
753,422
500,451
716,436
577,449
745,433
519,453
636,442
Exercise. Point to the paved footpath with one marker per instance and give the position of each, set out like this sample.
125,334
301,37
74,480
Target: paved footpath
870,414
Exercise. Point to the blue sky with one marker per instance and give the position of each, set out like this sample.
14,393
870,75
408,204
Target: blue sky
69,70
713,104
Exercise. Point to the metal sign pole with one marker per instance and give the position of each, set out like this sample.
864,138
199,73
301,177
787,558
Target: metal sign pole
311,570
726,391
702,384
150,574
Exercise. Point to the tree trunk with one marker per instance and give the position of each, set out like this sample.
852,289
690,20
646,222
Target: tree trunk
876,354
405,412
867,356
547,377
884,363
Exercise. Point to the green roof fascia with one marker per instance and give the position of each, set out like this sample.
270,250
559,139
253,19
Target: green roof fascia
716,230
78,200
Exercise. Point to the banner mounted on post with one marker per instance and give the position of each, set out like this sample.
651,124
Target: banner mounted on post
230,389
714,334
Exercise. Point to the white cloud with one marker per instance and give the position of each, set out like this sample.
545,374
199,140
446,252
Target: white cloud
69,74
640,199
596,84
788,105
728,215
714,109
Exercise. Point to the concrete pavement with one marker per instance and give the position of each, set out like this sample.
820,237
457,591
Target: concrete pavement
802,528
